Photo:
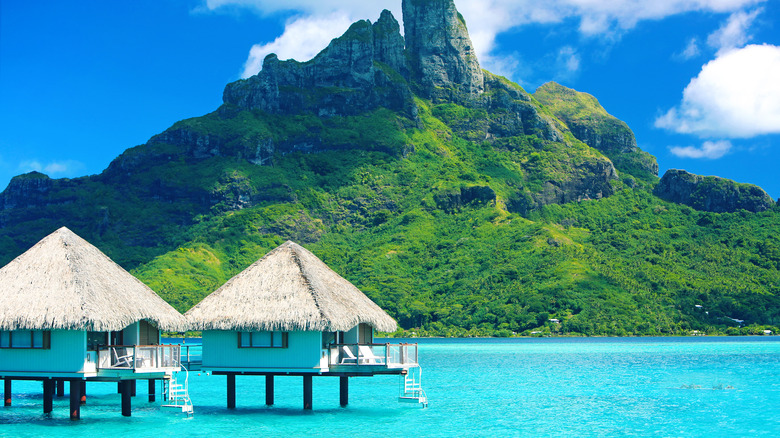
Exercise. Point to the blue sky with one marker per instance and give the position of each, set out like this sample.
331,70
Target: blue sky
697,80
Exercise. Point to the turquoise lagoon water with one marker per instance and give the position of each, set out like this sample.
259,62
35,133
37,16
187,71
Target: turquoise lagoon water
488,387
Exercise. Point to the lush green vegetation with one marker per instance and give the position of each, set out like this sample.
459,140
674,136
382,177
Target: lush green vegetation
591,123
380,205
627,265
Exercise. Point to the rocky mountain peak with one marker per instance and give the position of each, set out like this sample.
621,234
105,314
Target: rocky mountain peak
359,71
24,190
371,66
440,51
711,193
590,123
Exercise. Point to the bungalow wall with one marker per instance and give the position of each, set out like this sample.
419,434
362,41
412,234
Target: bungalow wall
67,353
141,333
221,351
130,334
360,334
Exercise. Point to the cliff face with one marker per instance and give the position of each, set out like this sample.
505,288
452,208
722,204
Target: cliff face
26,190
362,70
371,66
711,193
584,181
442,57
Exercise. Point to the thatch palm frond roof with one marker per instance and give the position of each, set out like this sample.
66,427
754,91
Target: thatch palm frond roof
289,289
63,282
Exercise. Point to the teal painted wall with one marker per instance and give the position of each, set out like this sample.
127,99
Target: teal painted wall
130,334
220,350
66,355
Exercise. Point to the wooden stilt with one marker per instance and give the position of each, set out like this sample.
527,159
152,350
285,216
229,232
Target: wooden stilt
83,392
344,391
119,387
151,390
231,391
269,390
7,392
126,397
132,387
75,399
48,395
307,380
60,387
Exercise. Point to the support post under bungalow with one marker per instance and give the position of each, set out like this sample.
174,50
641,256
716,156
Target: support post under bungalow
60,387
126,397
7,392
132,387
75,399
307,391
269,390
48,395
231,391
83,392
151,391
343,391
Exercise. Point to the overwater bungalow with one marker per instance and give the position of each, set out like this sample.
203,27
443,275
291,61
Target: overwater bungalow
68,312
289,314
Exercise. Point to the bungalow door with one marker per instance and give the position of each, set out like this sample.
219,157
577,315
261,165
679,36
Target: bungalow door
148,334
365,334
116,338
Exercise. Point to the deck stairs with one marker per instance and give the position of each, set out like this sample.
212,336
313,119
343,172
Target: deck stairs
411,388
177,394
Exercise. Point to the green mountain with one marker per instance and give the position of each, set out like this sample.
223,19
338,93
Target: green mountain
456,200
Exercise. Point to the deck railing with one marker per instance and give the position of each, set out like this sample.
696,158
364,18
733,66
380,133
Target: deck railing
385,355
139,357
192,356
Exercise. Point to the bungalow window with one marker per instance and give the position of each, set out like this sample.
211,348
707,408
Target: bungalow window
38,339
262,339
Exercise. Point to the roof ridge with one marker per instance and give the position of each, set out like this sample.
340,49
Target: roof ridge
305,274
99,293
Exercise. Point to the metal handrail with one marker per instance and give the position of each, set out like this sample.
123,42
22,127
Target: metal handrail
134,357
392,355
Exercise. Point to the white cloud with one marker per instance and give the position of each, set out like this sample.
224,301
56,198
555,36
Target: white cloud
737,95
691,50
505,65
306,34
485,18
603,19
302,39
569,59
734,32
361,9
53,168
710,149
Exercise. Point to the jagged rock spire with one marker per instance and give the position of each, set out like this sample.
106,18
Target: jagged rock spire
360,71
440,51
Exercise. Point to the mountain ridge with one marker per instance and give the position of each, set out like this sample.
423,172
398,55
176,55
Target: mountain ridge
458,201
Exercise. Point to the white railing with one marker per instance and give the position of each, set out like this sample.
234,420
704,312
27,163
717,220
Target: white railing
139,357
401,354
386,355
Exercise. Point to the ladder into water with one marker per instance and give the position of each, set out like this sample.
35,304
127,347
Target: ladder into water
178,395
411,388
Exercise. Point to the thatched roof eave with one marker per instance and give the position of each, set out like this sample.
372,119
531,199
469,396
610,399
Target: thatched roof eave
288,289
65,283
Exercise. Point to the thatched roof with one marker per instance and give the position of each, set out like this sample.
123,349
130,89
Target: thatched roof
63,282
289,289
